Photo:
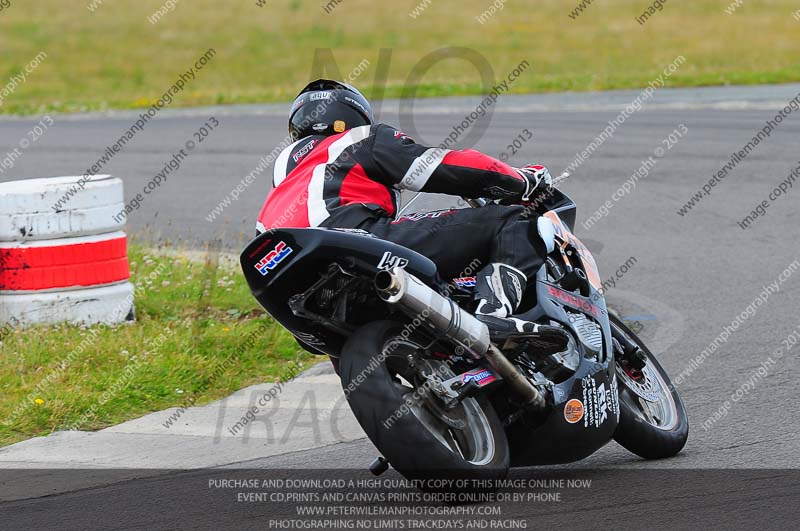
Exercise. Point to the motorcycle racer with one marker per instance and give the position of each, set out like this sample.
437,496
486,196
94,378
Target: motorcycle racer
345,171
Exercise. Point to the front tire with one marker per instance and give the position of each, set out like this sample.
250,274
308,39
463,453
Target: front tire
655,428
409,431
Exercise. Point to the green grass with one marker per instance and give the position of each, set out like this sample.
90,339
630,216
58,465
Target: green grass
114,58
191,317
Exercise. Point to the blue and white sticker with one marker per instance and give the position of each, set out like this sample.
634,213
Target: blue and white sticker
273,258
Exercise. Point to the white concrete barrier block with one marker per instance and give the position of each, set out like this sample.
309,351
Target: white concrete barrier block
106,304
36,209
63,257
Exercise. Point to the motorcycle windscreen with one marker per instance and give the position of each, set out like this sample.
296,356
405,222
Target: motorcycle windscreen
565,236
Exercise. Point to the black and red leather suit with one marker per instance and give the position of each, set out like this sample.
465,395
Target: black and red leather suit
353,180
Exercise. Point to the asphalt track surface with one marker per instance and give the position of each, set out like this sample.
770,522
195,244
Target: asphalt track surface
693,275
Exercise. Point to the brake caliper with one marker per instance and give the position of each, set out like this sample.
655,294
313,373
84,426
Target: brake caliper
632,359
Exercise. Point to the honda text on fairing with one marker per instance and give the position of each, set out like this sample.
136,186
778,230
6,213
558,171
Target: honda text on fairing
434,393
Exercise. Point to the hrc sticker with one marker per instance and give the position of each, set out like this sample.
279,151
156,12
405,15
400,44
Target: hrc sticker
273,258
573,411
465,282
339,126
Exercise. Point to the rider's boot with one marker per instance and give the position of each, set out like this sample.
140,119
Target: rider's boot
499,289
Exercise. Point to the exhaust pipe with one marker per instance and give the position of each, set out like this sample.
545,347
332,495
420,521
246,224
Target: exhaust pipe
419,301
530,395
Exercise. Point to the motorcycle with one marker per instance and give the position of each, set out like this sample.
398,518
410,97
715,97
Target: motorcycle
433,393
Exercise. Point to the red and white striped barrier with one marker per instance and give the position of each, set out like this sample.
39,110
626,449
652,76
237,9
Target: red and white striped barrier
63,258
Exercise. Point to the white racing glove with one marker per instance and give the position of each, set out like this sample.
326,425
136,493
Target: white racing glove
537,178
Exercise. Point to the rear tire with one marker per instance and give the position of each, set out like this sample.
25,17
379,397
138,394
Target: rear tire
375,395
636,432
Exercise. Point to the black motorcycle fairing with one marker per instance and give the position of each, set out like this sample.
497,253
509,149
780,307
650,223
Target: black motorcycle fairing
552,438
558,438
278,265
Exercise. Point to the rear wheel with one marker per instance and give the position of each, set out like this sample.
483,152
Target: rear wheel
653,423
396,404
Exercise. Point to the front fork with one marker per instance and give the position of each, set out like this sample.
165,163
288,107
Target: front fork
632,358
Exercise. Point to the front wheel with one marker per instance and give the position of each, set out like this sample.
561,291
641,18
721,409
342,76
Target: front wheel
390,389
653,423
